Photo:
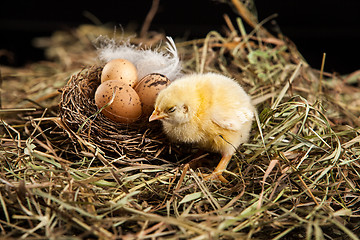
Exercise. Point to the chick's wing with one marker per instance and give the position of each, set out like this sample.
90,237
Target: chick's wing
232,119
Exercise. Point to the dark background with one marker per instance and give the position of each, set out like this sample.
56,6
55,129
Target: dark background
315,26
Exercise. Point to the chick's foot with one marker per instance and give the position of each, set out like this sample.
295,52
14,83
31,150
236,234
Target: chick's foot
221,167
215,176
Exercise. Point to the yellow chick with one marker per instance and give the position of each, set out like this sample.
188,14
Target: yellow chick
210,110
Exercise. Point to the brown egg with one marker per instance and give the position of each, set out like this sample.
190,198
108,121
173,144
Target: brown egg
126,105
148,88
120,69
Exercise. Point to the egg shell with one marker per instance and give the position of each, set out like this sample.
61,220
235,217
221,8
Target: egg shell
126,105
120,69
148,88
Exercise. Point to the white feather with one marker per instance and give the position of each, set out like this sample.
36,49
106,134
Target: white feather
145,60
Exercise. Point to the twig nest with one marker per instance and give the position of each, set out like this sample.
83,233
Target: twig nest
79,113
108,114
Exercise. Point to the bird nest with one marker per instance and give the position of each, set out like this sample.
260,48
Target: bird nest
79,113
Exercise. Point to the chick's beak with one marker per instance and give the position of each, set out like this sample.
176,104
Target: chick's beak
156,115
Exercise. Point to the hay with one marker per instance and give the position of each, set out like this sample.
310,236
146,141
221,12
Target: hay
76,175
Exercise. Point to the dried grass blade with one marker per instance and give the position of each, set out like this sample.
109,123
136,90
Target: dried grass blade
284,233
205,191
3,204
271,166
65,205
191,197
196,228
286,87
247,213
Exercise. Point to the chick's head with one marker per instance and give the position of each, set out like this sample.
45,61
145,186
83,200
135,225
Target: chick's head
173,107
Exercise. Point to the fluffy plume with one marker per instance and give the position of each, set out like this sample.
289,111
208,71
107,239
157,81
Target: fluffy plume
146,60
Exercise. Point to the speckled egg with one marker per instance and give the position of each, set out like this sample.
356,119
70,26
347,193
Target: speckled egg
120,69
125,106
148,88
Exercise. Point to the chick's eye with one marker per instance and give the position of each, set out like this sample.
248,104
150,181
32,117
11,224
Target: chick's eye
172,109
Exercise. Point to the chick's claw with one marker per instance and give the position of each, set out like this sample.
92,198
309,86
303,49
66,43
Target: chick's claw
215,176
220,168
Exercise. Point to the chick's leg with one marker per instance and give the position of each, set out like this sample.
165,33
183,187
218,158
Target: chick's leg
217,173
